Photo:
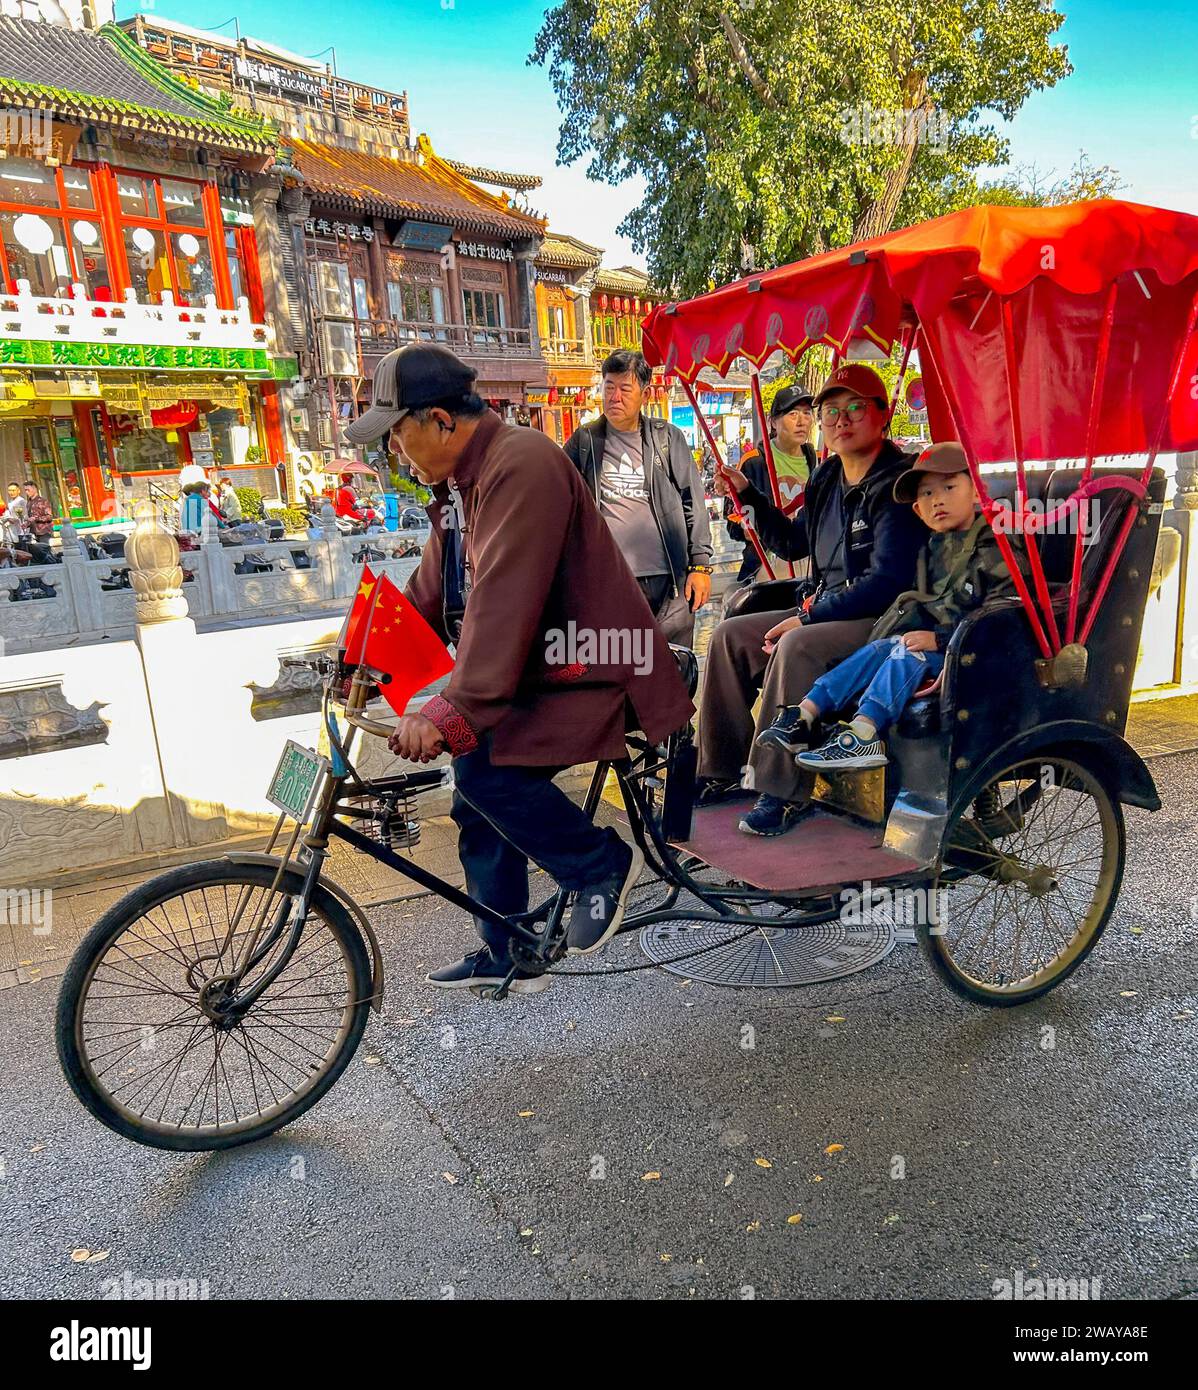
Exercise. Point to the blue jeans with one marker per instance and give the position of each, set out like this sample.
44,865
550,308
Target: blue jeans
509,815
885,675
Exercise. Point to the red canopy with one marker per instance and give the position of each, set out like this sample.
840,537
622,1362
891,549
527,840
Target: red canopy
1049,270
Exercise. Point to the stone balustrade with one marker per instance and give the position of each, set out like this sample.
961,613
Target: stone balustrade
91,604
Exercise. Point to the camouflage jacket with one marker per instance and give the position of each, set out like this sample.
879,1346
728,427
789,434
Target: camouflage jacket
957,571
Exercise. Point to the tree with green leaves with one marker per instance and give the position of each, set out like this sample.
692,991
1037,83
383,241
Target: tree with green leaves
768,132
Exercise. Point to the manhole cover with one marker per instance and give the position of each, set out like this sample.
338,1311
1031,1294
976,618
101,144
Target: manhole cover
769,957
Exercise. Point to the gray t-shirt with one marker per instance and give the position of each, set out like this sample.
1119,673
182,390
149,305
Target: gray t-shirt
624,503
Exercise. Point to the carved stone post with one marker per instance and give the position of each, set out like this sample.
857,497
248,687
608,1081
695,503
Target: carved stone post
154,571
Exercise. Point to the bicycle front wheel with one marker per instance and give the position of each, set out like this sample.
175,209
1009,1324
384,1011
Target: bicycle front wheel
142,1036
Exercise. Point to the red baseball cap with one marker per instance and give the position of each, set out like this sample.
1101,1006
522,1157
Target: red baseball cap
858,378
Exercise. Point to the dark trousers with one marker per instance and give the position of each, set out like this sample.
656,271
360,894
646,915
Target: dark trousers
672,615
509,815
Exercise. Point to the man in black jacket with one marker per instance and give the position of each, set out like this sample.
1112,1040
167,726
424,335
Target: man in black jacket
644,479
792,418
862,546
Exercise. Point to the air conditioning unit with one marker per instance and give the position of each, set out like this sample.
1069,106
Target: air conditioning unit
339,349
332,288
324,431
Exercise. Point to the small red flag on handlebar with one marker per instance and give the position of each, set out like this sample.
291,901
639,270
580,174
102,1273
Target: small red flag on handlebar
385,631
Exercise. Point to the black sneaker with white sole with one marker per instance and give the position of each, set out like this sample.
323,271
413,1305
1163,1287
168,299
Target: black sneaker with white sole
481,970
710,791
599,908
790,731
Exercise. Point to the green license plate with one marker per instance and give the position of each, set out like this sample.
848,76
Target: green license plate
293,786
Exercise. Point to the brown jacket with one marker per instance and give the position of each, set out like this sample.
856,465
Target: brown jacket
556,635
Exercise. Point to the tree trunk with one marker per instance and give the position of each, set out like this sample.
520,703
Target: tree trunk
877,217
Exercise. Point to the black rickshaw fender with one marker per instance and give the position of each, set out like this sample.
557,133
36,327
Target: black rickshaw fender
1101,751
377,984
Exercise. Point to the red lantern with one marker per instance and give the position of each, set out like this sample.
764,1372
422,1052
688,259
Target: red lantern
580,396
636,304
553,395
603,302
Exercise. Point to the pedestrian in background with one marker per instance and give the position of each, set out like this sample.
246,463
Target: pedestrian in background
641,473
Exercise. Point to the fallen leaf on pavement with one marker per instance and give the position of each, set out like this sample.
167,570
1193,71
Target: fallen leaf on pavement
96,1256
526,1114
834,1018
81,1254
1128,993
763,1163
649,1177
373,1061
795,1219
451,1177
728,1180
753,1226
833,1148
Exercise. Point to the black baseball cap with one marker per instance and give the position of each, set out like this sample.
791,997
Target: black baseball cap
786,400
410,377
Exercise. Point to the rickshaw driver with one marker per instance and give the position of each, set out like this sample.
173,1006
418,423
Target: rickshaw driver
529,549
863,547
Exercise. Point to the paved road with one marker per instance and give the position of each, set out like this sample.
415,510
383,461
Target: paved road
462,1150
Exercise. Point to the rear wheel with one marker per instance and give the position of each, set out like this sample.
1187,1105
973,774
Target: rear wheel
144,1036
1031,872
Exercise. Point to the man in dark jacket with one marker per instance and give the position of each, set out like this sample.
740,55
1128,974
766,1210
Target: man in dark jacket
641,473
792,418
555,650
862,546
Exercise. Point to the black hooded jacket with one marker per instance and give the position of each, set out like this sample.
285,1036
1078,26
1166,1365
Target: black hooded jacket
882,537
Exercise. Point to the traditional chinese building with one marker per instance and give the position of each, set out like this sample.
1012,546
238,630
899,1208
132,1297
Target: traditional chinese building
620,300
134,333
565,270
385,241
403,250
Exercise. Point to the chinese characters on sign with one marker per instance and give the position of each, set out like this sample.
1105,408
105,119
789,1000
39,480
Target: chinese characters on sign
319,226
481,251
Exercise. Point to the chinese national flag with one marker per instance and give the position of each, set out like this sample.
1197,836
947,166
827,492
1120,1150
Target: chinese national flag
386,632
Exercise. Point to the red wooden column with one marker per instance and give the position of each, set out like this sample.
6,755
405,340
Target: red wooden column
94,492
108,206
215,226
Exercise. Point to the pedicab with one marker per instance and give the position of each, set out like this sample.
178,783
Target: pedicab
217,1002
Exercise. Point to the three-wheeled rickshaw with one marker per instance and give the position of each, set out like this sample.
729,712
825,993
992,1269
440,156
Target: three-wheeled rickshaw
218,1001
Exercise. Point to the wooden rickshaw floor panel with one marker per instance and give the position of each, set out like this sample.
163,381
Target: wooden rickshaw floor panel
822,851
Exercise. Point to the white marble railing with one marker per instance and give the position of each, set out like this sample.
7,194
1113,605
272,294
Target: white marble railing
305,575
78,319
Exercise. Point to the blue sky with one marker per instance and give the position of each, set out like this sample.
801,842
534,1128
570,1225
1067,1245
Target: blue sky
1132,101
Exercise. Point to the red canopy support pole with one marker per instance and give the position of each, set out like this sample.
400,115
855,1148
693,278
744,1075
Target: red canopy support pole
1145,476
1004,545
902,371
767,447
737,516
1029,539
1104,344
823,443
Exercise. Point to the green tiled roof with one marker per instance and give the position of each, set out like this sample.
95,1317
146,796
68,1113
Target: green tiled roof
105,77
